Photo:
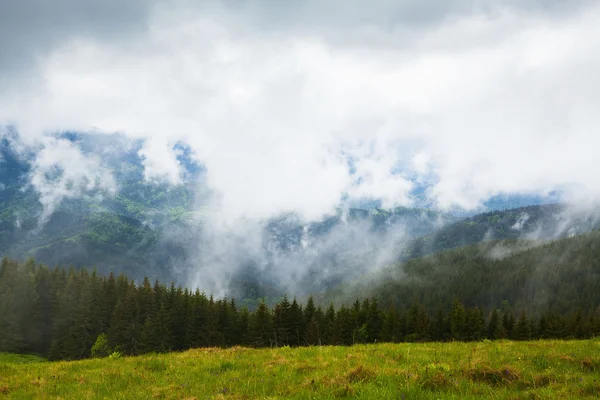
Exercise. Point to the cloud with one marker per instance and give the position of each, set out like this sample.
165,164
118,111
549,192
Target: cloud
276,102
31,30
61,171
523,218
160,162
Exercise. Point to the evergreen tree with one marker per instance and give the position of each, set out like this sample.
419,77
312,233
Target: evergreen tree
542,330
374,322
457,320
64,345
177,314
261,327
508,323
12,285
521,331
84,328
441,328
211,332
157,332
418,325
282,322
555,326
310,309
108,301
344,327
392,329
200,307
126,329
243,327
146,299
474,325
313,334
297,324
329,334
495,328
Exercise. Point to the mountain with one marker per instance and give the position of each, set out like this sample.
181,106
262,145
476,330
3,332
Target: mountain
156,229
561,275
115,233
545,222
152,228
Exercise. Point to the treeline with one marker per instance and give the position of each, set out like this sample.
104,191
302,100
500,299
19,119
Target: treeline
75,314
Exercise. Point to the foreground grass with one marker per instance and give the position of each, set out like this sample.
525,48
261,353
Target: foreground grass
496,370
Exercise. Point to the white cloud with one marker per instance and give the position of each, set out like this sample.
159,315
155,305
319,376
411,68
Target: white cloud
61,171
518,225
160,162
485,103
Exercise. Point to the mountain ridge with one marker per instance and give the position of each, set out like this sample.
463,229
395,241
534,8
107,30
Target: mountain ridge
149,228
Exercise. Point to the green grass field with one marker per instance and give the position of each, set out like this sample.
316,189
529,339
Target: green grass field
494,370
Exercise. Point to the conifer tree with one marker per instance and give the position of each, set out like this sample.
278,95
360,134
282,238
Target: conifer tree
313,334
457,321
495,328
64,345
521,331
261,327
84,329
542,328
282,322
418,324
508,323
344,327
11,318
44,309
392,326
200,305
310,309
211,332
108,301
474,325
329,334
374,322
242,327
157,332
177,316
146,299
440,329
126,330
297,324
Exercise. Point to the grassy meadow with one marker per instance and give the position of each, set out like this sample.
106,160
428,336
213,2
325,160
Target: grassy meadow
493,370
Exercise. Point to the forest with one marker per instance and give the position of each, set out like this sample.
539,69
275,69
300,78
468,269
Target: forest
531,275
74,314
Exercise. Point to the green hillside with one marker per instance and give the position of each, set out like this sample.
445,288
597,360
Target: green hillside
499,370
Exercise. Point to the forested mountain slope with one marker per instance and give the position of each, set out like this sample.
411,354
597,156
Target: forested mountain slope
561,275
161,230
156,229
120,232
549,221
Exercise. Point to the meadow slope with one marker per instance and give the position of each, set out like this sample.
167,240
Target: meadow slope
496,370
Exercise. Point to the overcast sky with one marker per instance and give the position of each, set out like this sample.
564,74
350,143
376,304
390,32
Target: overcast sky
275,97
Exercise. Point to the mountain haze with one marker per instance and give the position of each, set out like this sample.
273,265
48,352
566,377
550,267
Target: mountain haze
151,228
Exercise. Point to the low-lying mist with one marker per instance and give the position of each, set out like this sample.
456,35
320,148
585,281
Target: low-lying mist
115,218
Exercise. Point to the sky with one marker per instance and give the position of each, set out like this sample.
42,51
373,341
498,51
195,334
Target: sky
279,99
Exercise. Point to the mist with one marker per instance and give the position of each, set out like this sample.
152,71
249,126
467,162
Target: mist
263,127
